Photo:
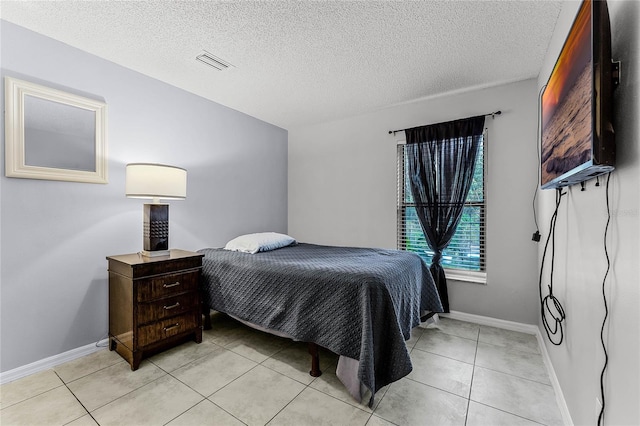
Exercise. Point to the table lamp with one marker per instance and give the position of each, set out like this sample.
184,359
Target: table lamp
155,182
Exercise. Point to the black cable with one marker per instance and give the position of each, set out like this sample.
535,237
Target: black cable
550,298
606,308
536,235
98,345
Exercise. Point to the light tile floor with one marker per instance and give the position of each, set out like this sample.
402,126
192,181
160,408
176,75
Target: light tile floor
464,374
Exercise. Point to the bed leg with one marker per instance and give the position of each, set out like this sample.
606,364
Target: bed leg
315,360
207,317
427,316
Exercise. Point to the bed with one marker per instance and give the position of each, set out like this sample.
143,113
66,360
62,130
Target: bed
359,303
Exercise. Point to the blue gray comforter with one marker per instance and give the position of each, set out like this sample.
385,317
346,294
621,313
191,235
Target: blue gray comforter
357,302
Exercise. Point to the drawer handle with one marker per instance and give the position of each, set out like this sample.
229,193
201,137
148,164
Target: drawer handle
171,327
171,285
172,306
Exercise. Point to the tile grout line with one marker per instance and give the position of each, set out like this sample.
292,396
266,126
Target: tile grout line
373,410
443,356
88,374
506,348
231,414
33,396
473,372
510,413
232,381
516,376
287,404
172,419
284,375
244,374
304,388
437,388
104,368
338,399
279,372
438,330
128,393
317,390
205,397
79,402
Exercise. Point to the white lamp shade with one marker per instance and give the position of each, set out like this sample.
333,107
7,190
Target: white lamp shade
155,181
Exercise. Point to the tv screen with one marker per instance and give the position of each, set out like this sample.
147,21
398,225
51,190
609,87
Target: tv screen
577,138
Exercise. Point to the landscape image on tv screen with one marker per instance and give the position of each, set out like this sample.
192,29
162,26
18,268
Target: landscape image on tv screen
566,103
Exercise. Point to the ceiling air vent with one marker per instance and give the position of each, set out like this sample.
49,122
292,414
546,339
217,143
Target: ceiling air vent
214,62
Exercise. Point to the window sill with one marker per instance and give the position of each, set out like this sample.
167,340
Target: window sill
467,276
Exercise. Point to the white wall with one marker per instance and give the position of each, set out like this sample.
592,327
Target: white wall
55,235
580,259
342,189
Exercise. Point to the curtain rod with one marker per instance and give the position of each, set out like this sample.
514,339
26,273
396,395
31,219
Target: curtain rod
493,115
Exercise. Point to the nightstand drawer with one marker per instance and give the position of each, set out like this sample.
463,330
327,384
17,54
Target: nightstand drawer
160,330
163,308
167,285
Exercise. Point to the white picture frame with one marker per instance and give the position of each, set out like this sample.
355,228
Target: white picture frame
54,135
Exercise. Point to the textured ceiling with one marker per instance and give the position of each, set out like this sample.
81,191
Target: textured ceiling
303,62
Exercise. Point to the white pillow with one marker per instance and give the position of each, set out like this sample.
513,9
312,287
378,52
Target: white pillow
262,241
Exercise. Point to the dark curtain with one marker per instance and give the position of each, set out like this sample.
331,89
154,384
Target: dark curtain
441,160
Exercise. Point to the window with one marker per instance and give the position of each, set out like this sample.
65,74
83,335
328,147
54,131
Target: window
464,258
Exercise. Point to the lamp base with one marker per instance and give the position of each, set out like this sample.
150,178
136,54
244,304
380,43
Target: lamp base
157,253
155,237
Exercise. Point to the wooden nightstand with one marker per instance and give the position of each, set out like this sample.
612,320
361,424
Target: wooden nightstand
154,302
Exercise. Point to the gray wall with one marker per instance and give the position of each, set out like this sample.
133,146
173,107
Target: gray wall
342,189
580,260
54,236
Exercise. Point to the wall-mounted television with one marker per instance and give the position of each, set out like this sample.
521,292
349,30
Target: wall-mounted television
577,138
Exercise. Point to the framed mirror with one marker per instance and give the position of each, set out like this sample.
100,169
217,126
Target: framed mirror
54,135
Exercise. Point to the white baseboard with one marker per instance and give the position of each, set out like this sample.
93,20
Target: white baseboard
562,403
492,322
52,361
523,328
